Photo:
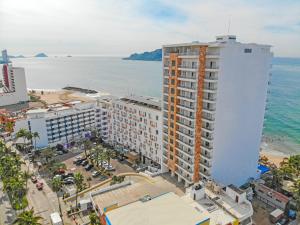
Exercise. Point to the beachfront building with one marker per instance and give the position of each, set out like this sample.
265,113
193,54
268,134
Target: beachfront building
214,99
13,88
136,128
59,123
103,117
142,202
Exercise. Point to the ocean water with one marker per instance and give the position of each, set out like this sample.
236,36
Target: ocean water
122,77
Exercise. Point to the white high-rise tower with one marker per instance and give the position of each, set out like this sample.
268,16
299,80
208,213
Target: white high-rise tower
214,99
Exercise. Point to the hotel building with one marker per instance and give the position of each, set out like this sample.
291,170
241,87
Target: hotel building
13,84
136,127
214,99
60,123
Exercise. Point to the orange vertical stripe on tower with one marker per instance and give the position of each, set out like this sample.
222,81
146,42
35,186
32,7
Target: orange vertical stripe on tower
201,75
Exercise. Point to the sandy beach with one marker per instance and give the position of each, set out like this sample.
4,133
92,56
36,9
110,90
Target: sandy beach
275,151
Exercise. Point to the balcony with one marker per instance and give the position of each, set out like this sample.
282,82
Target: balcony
182,158
206,173
189,126
186,106
189,77
185,177
210,108
206,156
206,147
212,55
209,86
187,116
185,168
206,164
188,67
188,153
207,138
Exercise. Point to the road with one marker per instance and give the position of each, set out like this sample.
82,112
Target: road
44,202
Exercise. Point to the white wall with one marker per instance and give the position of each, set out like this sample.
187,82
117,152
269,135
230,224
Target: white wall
241,100
20,86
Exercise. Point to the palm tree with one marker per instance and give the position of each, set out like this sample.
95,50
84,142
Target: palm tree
87,144
28,218
109,154
22,133
296,193
48,153
35,135
56,186
78,180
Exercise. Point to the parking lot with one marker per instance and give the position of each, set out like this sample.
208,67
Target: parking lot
119,167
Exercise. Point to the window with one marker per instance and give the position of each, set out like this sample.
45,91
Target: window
173,73
247,50
173,63
172,81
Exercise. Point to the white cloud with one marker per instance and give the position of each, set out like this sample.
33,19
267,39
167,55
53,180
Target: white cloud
116,27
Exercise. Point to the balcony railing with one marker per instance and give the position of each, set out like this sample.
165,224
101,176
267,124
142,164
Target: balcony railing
188,66
187,87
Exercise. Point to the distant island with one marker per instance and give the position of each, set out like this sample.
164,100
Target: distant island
155,55
41,55
17,56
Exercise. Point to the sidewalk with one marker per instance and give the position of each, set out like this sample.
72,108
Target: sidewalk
7,213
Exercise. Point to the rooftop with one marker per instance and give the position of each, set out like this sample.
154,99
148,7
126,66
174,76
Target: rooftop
144,101
167,209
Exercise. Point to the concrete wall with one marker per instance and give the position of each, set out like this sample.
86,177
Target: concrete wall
241,100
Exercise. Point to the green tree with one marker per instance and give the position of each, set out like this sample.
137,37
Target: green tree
87,145
109,154
35,136
48,154
78,180
94,219
57,186
28,218
22,133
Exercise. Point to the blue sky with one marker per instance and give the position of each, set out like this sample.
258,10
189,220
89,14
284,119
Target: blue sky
120,27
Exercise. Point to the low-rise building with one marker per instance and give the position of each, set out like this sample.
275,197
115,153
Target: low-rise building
270,196
137,203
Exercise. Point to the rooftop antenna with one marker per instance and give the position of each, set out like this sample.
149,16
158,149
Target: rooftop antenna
229,23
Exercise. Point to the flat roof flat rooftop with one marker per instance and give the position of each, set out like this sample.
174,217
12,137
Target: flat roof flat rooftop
166,209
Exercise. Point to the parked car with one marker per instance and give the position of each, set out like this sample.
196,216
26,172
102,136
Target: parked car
109,168
79,161
84,163
65,151
33,179
103,177
39,185
60,152
57,176
60,171
88,167
69,180
141,168
282,221
95,174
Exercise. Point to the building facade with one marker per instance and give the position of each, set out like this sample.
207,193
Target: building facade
214,98
13,88
136,126
60,123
